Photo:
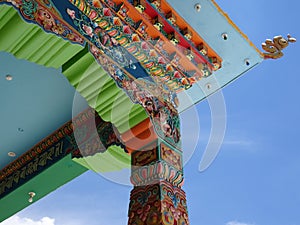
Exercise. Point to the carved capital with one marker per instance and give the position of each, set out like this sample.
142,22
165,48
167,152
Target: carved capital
155,173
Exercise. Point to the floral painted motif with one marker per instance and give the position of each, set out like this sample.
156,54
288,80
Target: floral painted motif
163,114
123,55
106,20
159,209
157,181
47,17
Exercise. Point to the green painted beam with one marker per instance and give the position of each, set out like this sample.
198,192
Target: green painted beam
49,180
114,159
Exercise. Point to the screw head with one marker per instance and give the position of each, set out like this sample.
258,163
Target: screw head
208,86
8,77
225,36
247,62
197,7
11,154
31,195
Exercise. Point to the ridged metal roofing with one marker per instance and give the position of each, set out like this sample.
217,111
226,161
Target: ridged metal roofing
101,92
30,42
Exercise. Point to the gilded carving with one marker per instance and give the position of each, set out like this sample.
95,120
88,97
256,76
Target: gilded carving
274,47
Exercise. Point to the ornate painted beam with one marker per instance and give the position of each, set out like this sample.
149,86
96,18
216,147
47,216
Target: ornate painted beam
87,134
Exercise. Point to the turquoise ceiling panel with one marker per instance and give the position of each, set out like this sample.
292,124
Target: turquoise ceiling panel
238,53
34,103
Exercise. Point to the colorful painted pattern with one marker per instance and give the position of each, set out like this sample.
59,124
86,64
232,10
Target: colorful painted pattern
157,99
143,158
174,28
64,131
171,156
102,24
150,75
161,110
47,17
34,166
158,204
157,197
156,172
157,162
94,136
77,137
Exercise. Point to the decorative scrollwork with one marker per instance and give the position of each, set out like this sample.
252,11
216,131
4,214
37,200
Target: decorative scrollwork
274,47
29,8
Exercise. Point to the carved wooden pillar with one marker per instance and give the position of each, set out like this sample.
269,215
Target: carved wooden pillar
157,197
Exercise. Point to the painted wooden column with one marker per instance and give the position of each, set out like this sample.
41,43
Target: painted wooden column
157,175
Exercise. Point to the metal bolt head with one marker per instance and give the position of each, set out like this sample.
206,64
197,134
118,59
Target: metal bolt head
197,7
225,36
208,86
8,77
11,154
247,62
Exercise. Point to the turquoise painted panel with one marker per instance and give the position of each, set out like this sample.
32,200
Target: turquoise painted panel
238,54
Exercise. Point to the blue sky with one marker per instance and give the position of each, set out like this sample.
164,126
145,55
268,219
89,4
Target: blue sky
255,178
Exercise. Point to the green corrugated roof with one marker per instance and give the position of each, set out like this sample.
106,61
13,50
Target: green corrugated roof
112,160
30,42
101,92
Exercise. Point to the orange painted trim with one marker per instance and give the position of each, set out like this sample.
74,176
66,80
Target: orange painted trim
154,33
197,39
225,15
139,136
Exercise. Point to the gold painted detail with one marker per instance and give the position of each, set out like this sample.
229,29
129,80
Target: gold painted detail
171,157
37,164
274,47
142,158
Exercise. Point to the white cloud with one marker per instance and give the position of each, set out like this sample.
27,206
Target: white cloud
238,223
238,142
16,220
